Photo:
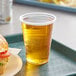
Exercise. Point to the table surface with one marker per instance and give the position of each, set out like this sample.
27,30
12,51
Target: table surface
64,29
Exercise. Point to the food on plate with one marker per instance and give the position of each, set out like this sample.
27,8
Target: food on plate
70,3
47,1
73,3
4,54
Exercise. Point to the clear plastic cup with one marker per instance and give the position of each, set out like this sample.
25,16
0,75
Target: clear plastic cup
37,35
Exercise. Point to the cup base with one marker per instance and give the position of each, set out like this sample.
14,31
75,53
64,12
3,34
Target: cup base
36,63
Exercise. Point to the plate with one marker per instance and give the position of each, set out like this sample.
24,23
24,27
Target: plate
14,65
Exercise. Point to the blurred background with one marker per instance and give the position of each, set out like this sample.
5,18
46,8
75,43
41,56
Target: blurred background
64,31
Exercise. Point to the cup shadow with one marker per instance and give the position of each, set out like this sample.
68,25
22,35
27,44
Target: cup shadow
34,70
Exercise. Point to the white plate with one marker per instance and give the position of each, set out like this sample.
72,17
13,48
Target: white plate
14,65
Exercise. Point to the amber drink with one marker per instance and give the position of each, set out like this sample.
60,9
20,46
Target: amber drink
37,32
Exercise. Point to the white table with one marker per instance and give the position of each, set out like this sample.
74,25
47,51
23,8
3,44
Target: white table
64,29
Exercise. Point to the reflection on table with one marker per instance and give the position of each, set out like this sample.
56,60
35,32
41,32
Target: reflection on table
33,70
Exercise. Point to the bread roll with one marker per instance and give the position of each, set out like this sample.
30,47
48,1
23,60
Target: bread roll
3,54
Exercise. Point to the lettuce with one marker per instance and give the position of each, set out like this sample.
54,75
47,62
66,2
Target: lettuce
1,64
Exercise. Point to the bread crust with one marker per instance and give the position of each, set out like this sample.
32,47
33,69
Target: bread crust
2,69
3,43
4,47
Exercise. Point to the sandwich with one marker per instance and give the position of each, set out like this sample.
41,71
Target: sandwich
4,54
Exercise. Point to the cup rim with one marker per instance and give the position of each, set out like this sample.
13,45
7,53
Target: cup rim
32,23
